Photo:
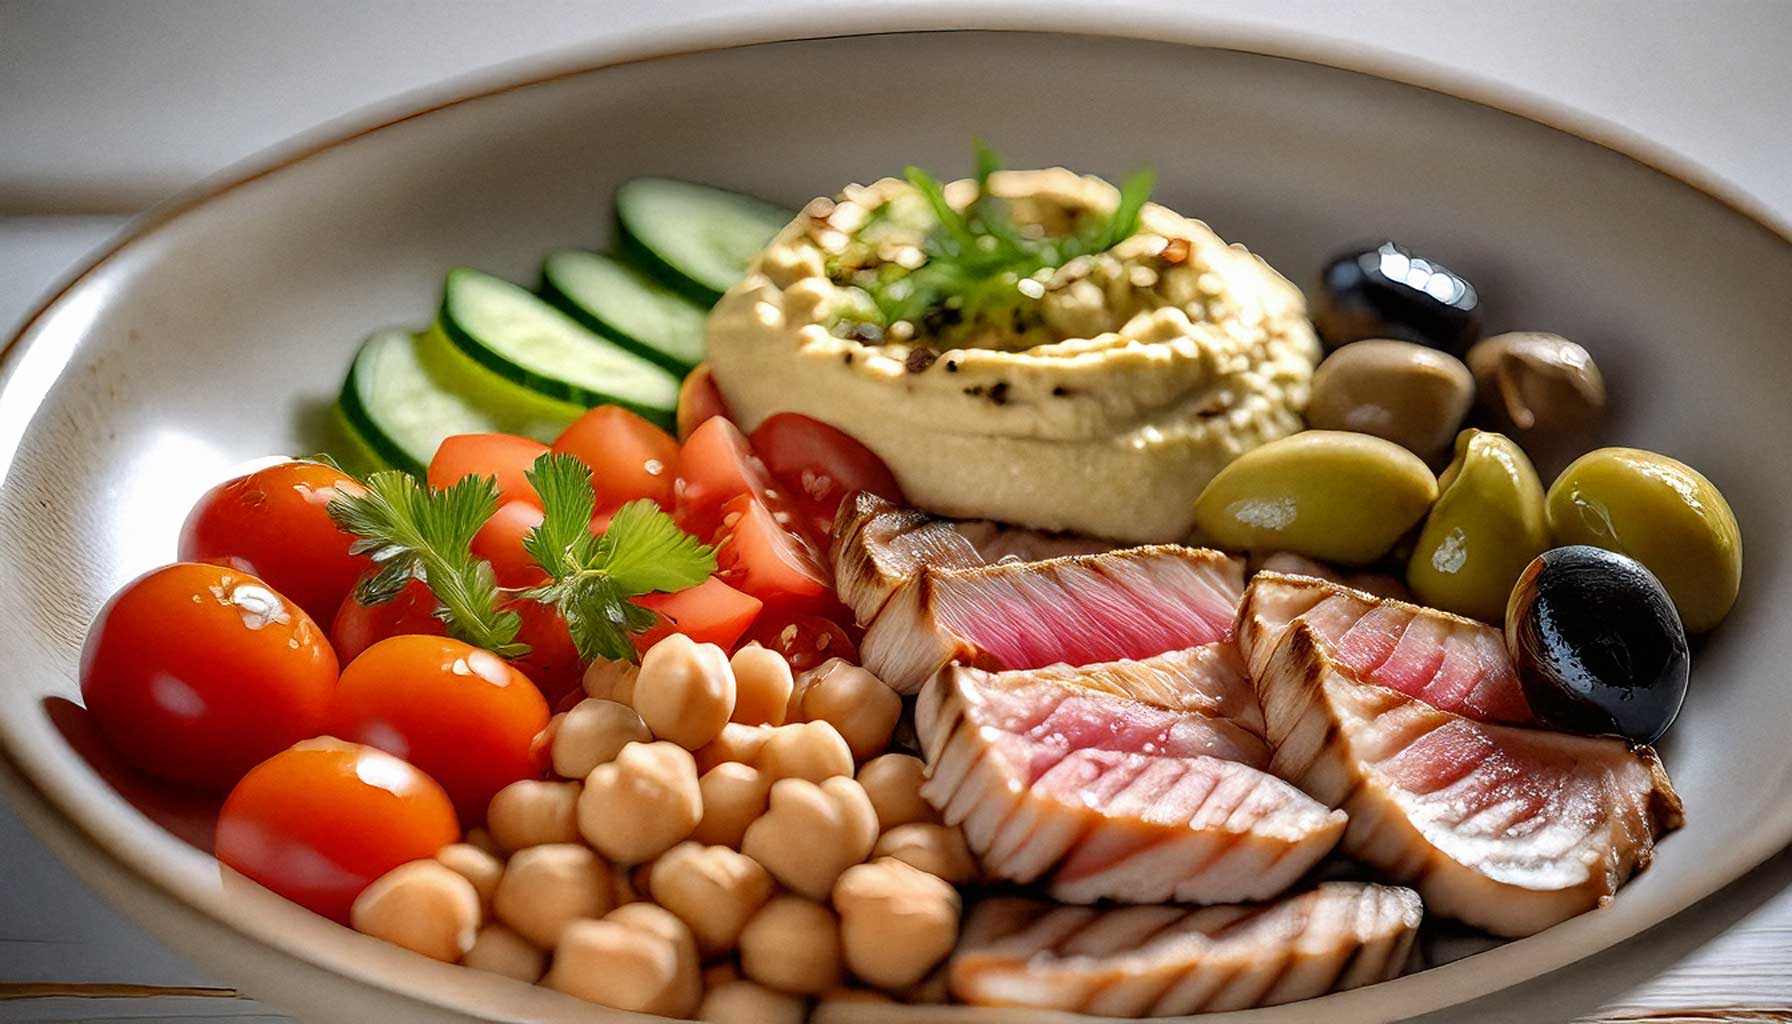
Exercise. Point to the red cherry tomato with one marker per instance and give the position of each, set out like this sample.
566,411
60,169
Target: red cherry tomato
629,457
756,554
819,466
274,523
717,465
804,640
553,662
318,822
461,714
359,626
698,400
195,673
503,456
500,542
712,612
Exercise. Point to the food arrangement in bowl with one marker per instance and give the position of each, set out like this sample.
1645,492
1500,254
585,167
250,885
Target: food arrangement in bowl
999,592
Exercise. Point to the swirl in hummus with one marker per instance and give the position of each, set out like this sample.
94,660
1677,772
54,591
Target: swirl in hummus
1096,395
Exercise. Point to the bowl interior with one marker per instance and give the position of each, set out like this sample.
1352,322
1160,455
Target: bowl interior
221,334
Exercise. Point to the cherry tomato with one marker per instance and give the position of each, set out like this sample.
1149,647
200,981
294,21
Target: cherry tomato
629,457
756,554
500,542
318,822
804,640
553,662
698,400
274,523
712,612
195,673
359,626
717,465
461,714
820,465
503,456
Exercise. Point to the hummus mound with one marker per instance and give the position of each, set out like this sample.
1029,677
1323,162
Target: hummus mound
1140,371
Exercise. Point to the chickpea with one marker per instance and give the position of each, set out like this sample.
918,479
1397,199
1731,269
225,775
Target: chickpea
611,680
593,733
853,994
546,887
685,692
712,889
637,806
743,1002
792,945
479,837
422,906
613,964
893,782
502,951
762,684
793,708
534,813
739,743
897,923
812,751
476,866
733,796
686,990
811,833
939,850
859,706
718,974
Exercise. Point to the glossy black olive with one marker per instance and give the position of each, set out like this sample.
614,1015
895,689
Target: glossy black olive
1597,644
1385,291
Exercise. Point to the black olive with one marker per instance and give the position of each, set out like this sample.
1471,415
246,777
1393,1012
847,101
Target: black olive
1385,291
1597,644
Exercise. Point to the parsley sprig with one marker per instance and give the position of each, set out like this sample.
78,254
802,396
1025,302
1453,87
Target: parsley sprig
413,532
592,577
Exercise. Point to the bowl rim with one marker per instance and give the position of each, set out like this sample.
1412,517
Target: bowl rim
1087,18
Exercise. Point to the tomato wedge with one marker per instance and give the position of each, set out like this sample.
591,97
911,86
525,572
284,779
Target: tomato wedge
553,662
629,457
804,640
717,465
712,612
698,400
500,542
504,456
819,465
756,554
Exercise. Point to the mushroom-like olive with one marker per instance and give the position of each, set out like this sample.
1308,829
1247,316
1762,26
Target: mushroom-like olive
1660,512
1542,389
1327,494
1387,291
1486,527
1597,644
1411,395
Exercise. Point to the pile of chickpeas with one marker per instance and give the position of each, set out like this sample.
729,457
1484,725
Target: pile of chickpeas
725,841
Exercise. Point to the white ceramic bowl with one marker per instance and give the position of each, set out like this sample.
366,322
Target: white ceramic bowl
219,327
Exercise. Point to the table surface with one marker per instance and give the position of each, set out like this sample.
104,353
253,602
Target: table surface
107,107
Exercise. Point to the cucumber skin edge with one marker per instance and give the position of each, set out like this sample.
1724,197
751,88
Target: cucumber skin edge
635,252
355,414
553,296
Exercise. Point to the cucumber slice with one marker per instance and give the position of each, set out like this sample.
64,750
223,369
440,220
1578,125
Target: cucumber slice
627,306
405,393
698,237
515,334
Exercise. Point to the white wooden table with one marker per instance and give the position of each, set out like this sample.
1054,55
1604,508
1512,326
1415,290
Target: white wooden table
106,107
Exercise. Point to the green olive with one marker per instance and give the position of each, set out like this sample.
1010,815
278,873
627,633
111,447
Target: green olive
1487,525
1327,494
1660,512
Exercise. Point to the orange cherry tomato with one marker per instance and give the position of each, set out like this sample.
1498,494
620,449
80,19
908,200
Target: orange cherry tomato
712,612
500,542
274,523
317,822
629,457
804,640
195,673
553,662
503,456
698,400
758,555
461,714
359,626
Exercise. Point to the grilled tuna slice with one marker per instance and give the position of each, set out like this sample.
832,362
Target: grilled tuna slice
1078,611
1167,961
1112,798
995,542
1208,680
1454,664
879,546
1508,829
